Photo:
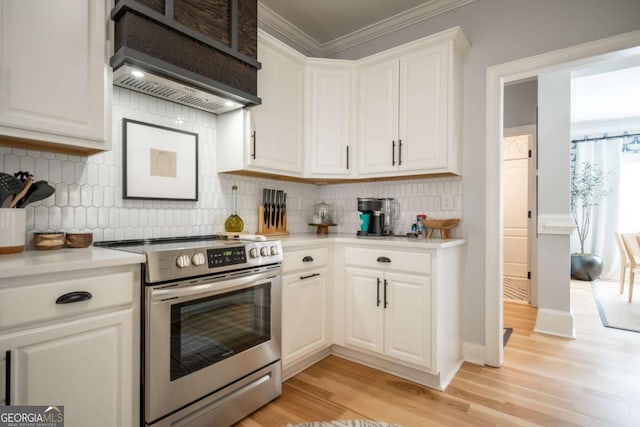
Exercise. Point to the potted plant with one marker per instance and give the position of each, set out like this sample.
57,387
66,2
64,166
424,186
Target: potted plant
587,189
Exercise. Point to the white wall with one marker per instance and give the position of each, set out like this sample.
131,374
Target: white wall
520,102
501,31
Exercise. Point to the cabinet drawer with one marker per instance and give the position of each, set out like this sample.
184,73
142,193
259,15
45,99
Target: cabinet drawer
306,258
32,303
407,262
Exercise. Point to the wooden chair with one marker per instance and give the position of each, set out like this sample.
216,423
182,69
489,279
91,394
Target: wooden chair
624,259
632,244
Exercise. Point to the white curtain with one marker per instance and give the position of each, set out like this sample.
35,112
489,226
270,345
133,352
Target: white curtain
606,155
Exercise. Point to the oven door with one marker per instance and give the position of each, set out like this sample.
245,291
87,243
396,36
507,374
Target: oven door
201,335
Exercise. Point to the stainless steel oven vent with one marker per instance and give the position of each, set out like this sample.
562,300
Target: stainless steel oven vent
169,90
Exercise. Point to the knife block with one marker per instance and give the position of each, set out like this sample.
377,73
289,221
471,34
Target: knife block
271,230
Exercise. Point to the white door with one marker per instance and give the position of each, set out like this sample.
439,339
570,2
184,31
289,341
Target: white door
378,118
364,309
278,121
423,110
407,318
85,365
329,119
304,314
516,215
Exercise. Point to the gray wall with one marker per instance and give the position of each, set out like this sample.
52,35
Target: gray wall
520,101
501,31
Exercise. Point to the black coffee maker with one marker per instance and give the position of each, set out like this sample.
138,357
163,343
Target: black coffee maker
371,217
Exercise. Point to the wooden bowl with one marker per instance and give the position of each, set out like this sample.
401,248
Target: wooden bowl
79,240
48,240
444,225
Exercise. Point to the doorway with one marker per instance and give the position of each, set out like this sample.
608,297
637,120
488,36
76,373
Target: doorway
556,224
518,171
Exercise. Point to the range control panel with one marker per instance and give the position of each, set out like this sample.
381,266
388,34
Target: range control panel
221,257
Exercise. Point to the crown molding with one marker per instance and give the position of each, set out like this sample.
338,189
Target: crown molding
279,27
283,29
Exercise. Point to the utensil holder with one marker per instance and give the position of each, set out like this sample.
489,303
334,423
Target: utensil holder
12,230
267,229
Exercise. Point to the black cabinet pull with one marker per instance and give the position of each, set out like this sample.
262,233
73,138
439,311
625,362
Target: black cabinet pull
347,157
386,303
309,276
383,259
307,259
7,378
72,297
378,293
399,152
393,153
253,137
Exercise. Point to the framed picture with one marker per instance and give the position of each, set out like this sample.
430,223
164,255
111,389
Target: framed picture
159,163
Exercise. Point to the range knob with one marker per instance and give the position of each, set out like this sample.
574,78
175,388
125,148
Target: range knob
198,259
264,251
274,250
183,261
253,253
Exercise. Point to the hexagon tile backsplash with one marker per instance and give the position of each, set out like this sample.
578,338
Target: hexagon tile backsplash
88,193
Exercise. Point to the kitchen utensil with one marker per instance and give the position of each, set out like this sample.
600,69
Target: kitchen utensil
265,213
284,207
26,186
9,186
38,191
273,207
278,207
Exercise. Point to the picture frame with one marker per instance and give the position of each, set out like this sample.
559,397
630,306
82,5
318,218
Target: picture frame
158,162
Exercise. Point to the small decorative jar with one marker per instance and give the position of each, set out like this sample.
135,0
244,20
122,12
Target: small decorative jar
323,214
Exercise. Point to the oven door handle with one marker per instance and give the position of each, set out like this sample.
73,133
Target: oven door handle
158,295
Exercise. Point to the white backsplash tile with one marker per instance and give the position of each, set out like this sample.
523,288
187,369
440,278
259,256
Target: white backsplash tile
89,189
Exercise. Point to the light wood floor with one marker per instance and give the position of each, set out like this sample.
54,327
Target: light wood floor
591,381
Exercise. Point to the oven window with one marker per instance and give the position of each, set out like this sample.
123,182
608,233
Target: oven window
207,330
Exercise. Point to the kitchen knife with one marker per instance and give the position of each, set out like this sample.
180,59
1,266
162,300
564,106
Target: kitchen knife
269,207
265,209
278,207
273,207
284,207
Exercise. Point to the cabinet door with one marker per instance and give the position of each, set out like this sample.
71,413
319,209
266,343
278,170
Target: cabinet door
329,121
423,110
304,314
364,309
407,322
276,143
85,365
55,84
378,118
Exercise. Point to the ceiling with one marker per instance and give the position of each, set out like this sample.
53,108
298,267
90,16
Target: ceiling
322,27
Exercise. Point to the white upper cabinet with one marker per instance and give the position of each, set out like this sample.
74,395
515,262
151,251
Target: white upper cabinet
409,103
269,137
55,82
329,141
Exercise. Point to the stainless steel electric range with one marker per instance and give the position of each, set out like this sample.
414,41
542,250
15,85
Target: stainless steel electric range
210,328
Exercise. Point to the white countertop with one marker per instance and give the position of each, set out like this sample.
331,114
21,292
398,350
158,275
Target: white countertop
35,261
305,239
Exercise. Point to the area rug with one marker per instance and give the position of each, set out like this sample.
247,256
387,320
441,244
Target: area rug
615,310
344,423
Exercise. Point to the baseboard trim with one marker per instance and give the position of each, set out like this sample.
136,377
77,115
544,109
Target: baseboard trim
555,322
294,368
473,353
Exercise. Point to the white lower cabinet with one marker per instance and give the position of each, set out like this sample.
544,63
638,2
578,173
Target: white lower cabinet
73,344
306,304
84,365
304,317
389,313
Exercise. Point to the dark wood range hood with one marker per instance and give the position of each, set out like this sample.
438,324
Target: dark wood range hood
200,53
